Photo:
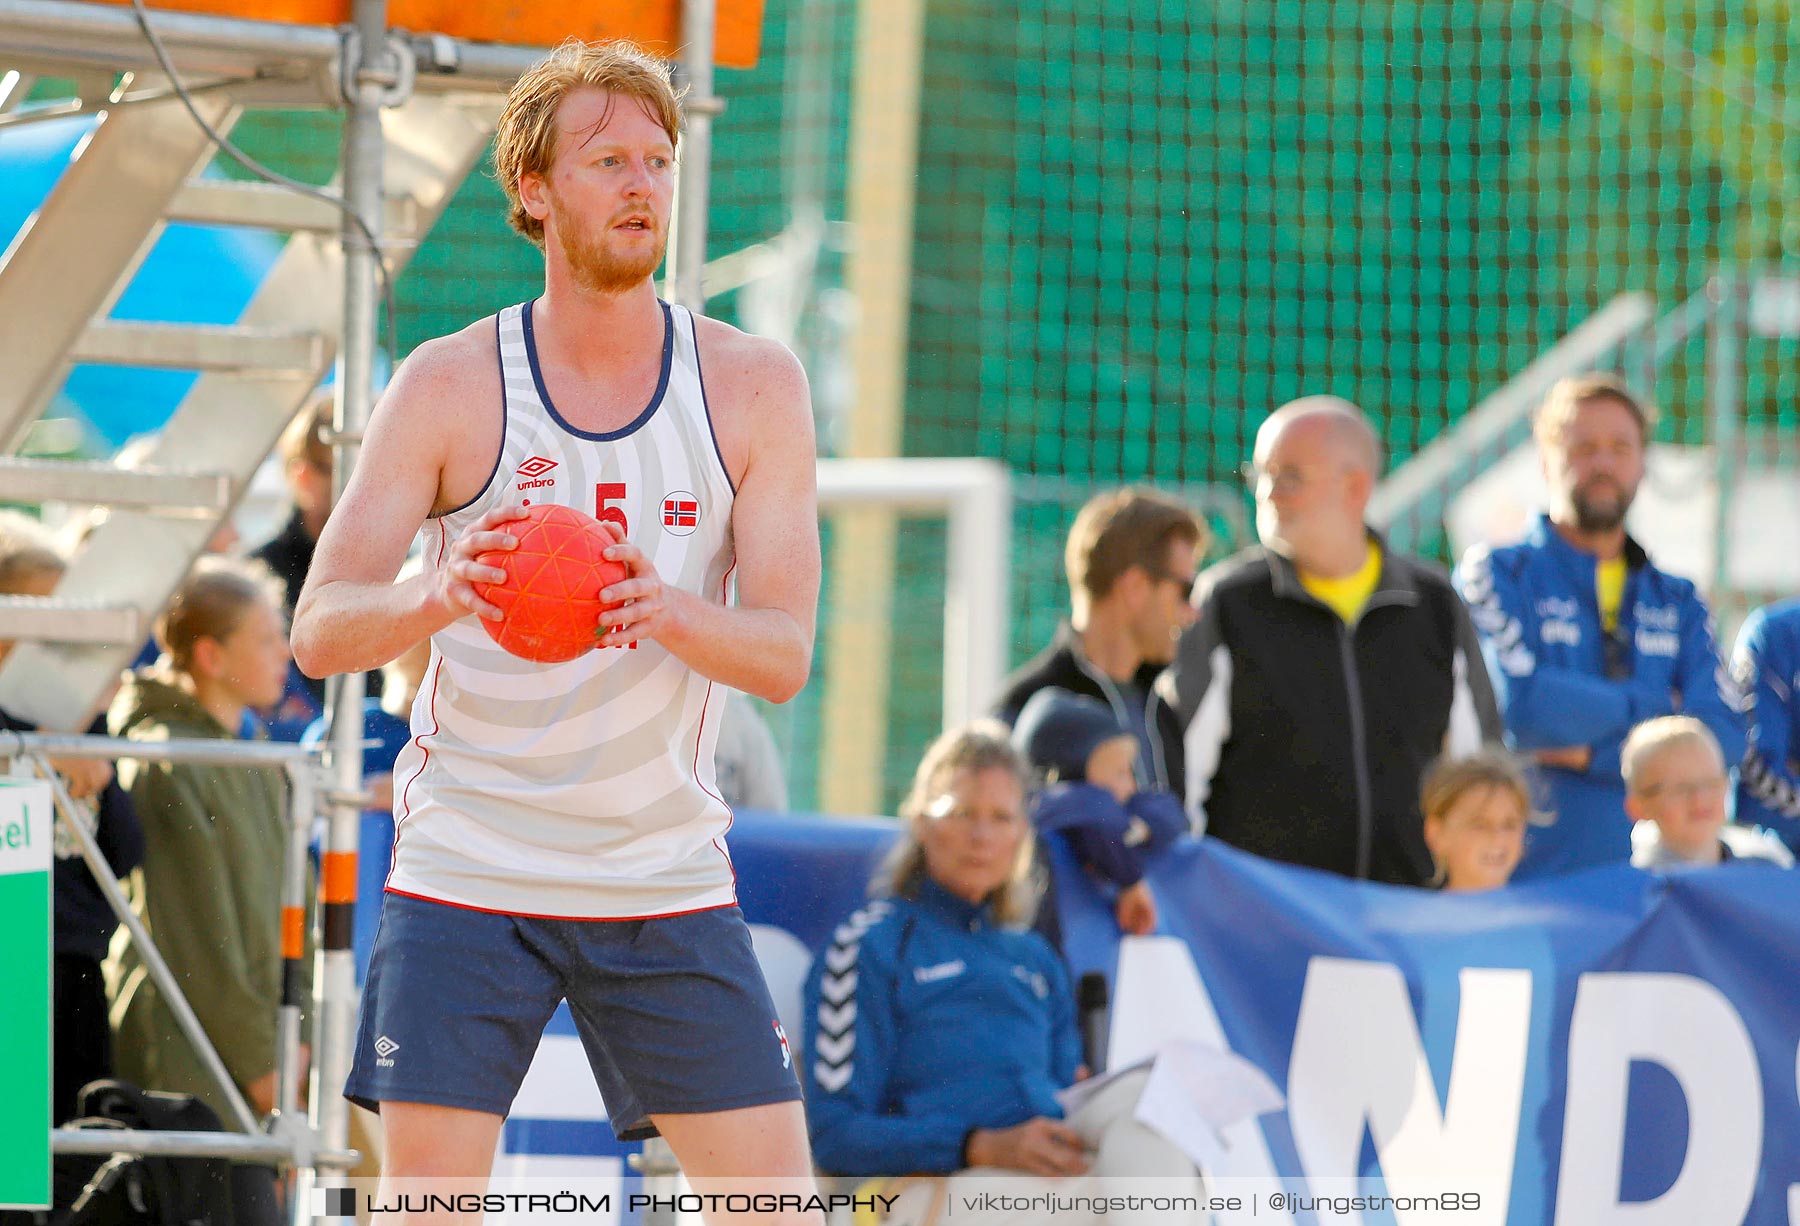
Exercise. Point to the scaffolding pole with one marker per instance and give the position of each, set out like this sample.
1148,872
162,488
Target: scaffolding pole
368,87
693,190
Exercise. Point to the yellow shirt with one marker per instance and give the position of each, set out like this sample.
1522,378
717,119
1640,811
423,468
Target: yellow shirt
1348,596
1609,588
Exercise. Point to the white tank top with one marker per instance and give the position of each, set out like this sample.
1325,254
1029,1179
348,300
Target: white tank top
583,789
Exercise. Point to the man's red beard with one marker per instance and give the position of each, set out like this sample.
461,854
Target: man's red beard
596,268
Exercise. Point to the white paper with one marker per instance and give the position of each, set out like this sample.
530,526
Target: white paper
1075,1096
1196,1093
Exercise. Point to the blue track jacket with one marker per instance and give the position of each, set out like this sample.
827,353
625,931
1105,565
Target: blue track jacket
1766,665
1536,611
923,1021
1115,840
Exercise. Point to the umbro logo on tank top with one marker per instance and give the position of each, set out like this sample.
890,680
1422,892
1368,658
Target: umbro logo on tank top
530,475
586,788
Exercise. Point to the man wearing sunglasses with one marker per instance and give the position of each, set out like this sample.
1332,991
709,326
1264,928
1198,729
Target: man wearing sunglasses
1131,557
1585,637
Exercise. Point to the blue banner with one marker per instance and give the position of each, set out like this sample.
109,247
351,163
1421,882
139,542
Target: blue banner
1610,1047
1614,1048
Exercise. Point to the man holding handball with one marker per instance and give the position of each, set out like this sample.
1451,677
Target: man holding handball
558,832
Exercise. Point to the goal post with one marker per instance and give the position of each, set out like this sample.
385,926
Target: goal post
974,497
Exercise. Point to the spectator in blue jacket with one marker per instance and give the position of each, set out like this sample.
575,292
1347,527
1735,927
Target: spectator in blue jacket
1091,799
938,1030
1766,665
1584,636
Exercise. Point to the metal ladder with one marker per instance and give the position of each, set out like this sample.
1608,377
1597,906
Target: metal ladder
140,170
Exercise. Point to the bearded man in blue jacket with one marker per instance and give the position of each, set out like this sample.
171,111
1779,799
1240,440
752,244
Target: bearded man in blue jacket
1585,638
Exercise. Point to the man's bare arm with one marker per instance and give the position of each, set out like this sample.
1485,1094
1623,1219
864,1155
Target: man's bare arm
764,645
351,616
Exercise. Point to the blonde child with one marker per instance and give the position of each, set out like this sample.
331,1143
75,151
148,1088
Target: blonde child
1675,790
1476,811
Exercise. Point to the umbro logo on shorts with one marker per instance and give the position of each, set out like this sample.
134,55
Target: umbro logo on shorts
384,1048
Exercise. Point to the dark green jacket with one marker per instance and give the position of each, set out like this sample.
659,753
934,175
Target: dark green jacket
210,893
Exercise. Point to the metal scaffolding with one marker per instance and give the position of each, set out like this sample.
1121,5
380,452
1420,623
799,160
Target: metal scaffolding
293,1143
444,89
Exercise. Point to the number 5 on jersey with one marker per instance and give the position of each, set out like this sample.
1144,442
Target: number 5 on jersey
612,491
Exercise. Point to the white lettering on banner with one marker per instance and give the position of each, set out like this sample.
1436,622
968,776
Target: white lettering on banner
1357,1063
1159,998
1357,1058
558,1084
1688,1027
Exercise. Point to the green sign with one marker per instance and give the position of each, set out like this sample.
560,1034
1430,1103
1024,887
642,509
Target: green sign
25,841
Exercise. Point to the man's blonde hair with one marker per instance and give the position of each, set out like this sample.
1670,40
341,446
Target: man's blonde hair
525,142
1653,736
1566,397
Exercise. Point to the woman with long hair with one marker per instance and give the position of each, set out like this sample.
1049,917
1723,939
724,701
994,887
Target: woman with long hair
210,887
940,1029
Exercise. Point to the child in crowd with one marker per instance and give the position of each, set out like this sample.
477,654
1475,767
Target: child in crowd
84,922
216,839
1675,790
1476,809
1091,799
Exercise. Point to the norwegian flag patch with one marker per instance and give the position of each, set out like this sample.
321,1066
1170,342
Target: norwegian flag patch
681,513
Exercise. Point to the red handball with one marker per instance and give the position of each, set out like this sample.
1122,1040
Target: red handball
550,600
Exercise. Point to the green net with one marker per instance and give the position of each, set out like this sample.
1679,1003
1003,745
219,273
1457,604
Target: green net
1141,224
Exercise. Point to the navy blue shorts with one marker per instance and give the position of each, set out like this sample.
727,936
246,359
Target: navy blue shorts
673,1012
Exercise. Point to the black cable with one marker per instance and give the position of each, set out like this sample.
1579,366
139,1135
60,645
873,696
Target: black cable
385,336
80,106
